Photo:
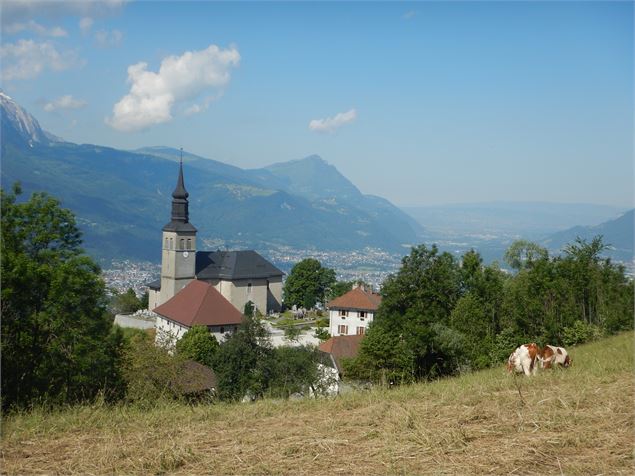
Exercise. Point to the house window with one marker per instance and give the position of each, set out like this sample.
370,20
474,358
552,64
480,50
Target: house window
249,289
342,329
343,313
189,243
361,330
362,315
222,330
166,243
171,243
182,243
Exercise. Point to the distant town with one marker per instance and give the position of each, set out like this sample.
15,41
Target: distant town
370,265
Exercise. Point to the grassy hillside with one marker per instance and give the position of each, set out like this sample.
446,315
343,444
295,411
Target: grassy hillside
575,421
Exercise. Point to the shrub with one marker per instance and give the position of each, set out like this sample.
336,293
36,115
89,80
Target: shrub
580,332
292,333
149,370
199,345
322,322
294,371
322,334
504,344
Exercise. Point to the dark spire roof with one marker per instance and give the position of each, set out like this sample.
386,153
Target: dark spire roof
179,191
180,207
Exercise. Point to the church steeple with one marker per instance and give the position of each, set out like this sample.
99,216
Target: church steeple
179,191
180,219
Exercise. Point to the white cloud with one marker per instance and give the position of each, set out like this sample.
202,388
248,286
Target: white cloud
64,102
85,24
410,14
329,124
195,109
26,59
180,78
36,28
202,106
107,39
22,10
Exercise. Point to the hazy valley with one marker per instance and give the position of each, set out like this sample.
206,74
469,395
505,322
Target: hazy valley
287,211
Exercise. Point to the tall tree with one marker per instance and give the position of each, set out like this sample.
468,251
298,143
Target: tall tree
308,283
243,363
478,313
413,319
294,371
127,302
339,288
523,254
58,342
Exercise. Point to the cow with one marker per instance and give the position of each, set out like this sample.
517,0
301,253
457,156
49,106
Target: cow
552,355
523,359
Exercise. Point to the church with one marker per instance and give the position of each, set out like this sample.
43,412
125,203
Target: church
237,276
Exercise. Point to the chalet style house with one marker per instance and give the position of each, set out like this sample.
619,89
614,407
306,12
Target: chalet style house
351,313
207,287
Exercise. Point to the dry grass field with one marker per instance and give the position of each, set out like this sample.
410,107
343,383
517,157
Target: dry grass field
575,421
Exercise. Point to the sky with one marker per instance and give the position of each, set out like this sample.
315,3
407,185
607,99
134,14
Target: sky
422,103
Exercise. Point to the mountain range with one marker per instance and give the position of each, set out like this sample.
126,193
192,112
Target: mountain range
492,227
122,198
617,234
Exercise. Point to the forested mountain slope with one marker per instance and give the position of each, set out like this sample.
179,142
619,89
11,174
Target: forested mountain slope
122,198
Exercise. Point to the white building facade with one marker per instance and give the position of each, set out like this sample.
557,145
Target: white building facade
352,313
168,332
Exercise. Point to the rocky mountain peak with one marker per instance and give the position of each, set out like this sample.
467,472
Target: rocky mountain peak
18,121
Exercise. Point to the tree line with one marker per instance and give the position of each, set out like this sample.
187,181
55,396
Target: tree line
440,316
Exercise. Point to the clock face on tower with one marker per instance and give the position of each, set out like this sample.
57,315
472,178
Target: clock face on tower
185,254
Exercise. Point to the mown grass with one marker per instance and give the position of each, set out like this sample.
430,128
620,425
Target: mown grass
574,421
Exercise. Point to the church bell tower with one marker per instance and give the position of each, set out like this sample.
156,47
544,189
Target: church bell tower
178,259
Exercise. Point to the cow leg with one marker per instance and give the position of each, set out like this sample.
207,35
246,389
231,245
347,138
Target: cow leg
526,368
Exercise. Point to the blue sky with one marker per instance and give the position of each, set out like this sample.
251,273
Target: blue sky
422,103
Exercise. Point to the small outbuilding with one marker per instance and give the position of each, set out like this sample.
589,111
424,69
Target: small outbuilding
332,352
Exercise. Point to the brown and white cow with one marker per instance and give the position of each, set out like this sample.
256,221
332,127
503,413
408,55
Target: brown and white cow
523,359
552,356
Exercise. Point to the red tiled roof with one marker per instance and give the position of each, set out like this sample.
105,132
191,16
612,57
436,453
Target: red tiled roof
357,298
342,347
199,303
